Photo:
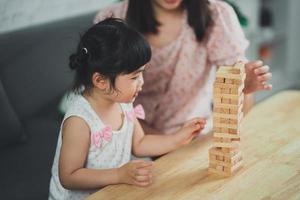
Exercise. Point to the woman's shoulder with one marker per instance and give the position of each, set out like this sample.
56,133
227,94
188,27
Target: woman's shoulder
220,7
117,10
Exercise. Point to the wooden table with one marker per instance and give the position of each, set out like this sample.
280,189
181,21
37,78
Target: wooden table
270,145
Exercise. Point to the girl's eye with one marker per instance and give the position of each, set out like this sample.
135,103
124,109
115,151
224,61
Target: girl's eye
134,78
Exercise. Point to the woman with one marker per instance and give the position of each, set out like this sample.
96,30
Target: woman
189,38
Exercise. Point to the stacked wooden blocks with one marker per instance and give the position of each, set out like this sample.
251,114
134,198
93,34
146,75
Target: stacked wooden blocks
225,156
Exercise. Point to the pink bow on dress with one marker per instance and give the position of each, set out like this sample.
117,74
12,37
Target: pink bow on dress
137,112
100,137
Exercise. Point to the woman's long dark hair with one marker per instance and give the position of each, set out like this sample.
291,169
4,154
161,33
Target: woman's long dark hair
140,15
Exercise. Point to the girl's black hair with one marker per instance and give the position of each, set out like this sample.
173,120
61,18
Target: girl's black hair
140,15
110,48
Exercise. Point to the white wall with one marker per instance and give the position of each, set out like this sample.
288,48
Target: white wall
293,39
17,14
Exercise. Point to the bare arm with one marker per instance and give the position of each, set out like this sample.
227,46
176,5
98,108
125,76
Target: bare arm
74,150
249,101
154,145
257,76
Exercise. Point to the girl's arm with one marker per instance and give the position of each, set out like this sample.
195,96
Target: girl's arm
155,145
73,155
74,151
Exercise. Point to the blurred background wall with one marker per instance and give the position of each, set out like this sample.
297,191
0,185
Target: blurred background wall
18,14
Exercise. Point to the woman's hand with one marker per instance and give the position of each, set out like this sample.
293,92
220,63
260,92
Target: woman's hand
136,172
257,75
189,130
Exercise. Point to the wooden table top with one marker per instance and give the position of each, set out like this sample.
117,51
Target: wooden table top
270,143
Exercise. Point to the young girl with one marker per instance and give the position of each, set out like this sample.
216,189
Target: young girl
100,129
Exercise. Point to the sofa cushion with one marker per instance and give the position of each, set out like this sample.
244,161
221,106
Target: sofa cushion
11,129
34,63
25,169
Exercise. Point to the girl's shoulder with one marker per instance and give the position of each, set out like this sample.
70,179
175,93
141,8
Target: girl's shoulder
117,10
78,107
127,106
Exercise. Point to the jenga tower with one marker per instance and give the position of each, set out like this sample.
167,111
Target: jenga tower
225,156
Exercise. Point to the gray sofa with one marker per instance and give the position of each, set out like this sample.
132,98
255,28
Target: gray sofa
34,75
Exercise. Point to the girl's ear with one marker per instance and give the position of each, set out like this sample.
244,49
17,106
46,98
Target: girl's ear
99,81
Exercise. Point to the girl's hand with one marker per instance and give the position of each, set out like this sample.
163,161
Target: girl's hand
189,130
257,75
136,172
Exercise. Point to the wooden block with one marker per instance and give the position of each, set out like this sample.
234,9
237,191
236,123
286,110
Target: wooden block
220,80
234,101
225,110
229,162
225,127
218,172
237,90
217,100
224,130
232,170
237,81
233,121
212,157
226,135
225,105
227,145
235,70
239,65
233,111
224,121
229,116
220,168
226,150
237,101
217,120
225,101
229,76
222,163
217,110
217,129
227,86
218,151
225,90
229,81
220,158
225,139
217,90
236,110
234,131
227,96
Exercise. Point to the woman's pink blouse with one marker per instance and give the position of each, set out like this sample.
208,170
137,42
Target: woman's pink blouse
180,75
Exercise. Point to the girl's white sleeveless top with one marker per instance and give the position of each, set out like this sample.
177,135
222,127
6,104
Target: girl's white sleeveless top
107,154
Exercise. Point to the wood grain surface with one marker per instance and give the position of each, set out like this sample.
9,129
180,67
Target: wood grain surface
270,144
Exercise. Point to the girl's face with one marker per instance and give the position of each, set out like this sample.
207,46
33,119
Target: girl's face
128,86
167,4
